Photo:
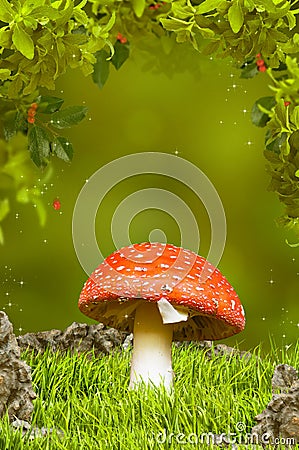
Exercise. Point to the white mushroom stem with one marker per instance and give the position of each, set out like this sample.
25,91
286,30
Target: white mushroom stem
151,360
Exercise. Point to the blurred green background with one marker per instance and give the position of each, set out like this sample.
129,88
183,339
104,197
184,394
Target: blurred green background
204,117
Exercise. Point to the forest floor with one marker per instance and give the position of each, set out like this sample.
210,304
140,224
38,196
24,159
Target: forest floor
84,401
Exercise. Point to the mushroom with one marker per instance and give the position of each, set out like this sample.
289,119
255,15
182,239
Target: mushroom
161,292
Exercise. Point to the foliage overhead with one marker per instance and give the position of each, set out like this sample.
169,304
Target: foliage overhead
40,40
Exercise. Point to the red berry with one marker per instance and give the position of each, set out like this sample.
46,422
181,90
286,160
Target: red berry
260,62
56,204
122,39
31,112
262,68
287,103
258,55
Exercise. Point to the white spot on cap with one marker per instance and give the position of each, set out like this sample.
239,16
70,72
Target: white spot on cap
121,268
233,304
191,277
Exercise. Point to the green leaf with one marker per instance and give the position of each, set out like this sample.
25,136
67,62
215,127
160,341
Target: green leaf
14,121
249,4
211,48
68,117
6,11
23,42
207,6
4,208
45,13
49,105
66,13
175,25
80,16
297,173
258,117
249,70
63,149
281,114
265,5
4,74
278,144
295,116
121,54
28,6
291,19
5,38
235,17
101,68
39,145
294,141
183,11
138,7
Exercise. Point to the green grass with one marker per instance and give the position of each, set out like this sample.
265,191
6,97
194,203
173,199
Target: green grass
88,399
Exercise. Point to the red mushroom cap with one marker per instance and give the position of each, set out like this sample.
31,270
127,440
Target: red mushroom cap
152,271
